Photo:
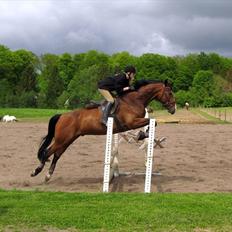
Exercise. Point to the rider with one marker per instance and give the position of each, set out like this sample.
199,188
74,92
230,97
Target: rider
120,83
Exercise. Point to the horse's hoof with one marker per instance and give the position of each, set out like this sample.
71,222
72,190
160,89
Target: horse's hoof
141,136
47,177
33,174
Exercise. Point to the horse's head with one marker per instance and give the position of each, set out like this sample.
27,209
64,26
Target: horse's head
166,97
149,90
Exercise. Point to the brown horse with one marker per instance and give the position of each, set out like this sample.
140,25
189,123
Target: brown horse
66,128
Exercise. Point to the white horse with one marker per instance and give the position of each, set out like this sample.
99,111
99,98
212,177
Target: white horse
8,118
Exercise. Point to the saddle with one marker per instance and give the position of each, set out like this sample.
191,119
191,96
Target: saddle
101,105
113,112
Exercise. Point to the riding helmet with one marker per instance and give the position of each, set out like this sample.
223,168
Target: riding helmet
130,69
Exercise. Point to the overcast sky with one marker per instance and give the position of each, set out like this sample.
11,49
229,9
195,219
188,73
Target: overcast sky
168,27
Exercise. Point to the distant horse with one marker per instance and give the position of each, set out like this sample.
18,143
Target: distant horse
8,118
66,128
186,105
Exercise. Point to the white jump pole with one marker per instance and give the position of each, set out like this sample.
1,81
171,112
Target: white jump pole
111,164
150,150
114,169
106,179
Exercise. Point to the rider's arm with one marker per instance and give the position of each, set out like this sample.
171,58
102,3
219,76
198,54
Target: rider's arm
121,83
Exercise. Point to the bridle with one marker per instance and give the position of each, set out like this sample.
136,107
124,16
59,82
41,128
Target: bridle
168,104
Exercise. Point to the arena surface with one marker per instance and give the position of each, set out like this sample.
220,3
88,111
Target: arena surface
196,158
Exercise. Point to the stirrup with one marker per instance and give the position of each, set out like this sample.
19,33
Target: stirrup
104,121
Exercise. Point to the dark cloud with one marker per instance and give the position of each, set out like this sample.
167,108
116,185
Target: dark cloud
167,27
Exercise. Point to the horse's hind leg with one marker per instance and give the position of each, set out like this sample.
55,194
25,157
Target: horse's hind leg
38,169
49,152
56,157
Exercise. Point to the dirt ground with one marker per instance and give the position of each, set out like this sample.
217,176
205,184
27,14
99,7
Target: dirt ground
196,158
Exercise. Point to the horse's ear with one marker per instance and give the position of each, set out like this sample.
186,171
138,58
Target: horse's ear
166,82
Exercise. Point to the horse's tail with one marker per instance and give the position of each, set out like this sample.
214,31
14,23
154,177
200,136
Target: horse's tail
46,141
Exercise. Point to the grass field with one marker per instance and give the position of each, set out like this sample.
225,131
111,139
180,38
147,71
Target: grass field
30,113
37,211
208,116
229,109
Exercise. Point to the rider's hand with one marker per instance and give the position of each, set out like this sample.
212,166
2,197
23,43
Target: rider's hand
126,88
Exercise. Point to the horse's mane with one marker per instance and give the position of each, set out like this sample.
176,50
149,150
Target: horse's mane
139,83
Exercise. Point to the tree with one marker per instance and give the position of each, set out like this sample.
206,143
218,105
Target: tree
203,86
26,72
182,97
216,64
184,78
18,75
227,99
203,61
50,84
83,87
191,62
66,68
78,60
94,58
154,66
120,60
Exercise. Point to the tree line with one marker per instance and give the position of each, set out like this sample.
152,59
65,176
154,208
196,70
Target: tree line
70,80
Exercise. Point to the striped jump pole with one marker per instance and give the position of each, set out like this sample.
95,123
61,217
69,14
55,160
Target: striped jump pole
109,135
150,151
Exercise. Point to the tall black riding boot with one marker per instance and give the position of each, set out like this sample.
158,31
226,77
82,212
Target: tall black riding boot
106,112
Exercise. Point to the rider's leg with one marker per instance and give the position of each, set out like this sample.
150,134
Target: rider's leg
106,112
110,101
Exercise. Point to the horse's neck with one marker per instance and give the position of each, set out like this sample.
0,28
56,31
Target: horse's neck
149,92
131,100
143,96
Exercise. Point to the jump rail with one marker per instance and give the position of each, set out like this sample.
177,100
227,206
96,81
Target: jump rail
111,163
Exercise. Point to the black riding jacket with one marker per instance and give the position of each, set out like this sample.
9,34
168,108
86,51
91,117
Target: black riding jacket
115,83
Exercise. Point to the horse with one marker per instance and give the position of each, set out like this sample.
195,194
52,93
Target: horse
8,118
64,129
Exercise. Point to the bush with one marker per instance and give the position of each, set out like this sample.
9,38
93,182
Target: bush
227,100
28,99
182,96
63,100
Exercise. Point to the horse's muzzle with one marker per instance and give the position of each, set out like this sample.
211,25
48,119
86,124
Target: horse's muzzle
172,109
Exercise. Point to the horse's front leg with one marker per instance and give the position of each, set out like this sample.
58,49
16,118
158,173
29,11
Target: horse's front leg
141,122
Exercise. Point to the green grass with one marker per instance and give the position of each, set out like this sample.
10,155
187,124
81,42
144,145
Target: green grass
115,211
209,117
30,113
228,109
